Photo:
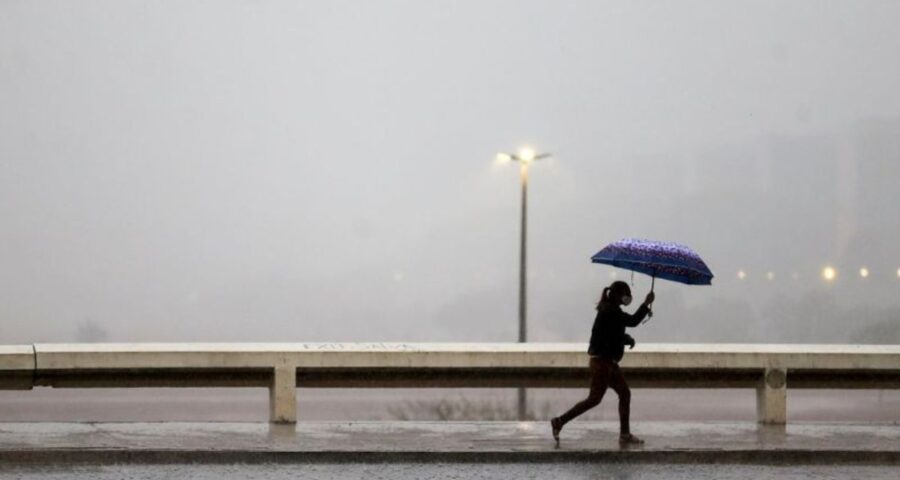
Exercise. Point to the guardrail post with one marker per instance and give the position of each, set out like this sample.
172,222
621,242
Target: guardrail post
283,395
771,397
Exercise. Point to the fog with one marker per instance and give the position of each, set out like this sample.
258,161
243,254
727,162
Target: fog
324,170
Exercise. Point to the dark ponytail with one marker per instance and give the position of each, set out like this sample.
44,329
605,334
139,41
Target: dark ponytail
604,297
618,286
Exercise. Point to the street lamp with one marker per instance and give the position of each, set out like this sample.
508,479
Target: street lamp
524,156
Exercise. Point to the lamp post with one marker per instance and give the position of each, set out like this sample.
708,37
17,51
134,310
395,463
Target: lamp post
525,156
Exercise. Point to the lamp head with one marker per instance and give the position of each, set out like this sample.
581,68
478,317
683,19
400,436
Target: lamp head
527,154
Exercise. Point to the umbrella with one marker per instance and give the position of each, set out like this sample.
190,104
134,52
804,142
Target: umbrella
666,260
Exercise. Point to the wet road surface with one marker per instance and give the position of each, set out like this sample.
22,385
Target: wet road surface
393,471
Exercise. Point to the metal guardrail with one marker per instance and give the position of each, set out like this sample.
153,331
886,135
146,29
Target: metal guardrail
282,368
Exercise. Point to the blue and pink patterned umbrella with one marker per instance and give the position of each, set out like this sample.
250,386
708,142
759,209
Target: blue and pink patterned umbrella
670,261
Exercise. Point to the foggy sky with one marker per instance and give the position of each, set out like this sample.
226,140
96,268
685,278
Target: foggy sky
323,170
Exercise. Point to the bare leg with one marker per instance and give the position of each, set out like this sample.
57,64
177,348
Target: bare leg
618,384
599,383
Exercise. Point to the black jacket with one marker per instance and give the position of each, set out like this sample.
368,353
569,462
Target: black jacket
608,335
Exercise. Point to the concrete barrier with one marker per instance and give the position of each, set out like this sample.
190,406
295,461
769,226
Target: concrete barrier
282,368
16,367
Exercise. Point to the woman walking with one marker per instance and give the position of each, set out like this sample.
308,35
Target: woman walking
608,340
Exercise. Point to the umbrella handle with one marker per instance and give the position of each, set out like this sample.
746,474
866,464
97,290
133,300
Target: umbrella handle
650,307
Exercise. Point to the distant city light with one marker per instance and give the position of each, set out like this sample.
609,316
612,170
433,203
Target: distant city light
770,276
898,273
829,273
864,272
613,274
795,276
741,275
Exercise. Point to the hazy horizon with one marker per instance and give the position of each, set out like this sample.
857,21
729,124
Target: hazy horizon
324,171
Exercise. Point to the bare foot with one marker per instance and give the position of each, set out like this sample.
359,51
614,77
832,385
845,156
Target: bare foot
556,426
629,440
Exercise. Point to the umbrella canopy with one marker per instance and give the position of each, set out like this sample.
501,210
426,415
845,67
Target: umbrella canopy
670,261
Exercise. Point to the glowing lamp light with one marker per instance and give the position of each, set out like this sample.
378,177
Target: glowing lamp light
829,273
864,272
741,274
770,276
504,157
527,154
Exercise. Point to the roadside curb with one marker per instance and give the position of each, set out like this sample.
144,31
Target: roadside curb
750,457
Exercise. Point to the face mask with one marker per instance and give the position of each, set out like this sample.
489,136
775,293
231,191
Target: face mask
626,300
